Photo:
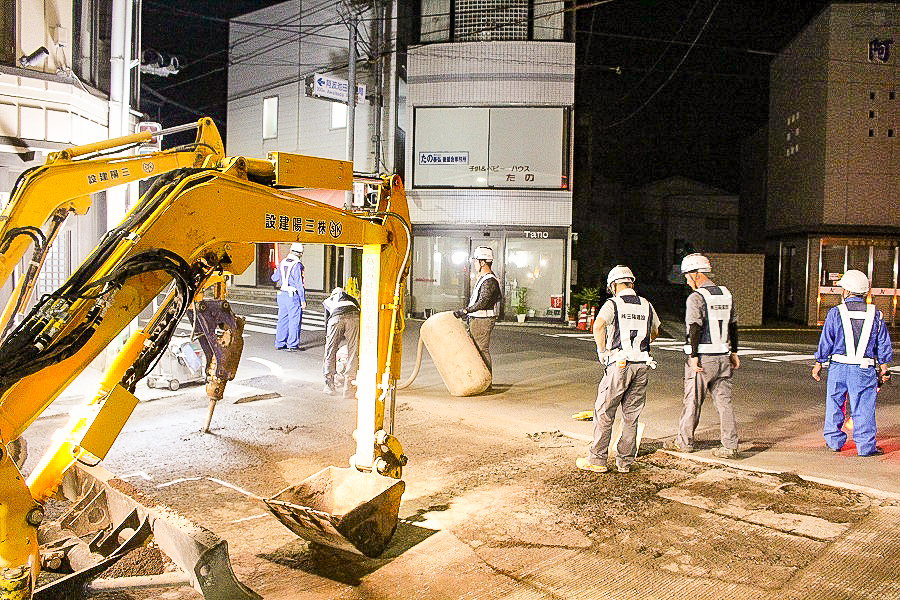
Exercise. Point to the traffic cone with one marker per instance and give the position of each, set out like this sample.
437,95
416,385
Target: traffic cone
582,317
591,320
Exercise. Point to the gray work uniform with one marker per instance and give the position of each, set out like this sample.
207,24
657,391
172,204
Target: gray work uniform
630,320
711,307
481,314
341,323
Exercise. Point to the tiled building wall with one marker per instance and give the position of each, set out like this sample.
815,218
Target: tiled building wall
742,274
863,167
507,207
490,74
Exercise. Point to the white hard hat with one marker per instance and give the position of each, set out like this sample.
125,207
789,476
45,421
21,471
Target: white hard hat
336,291
483,253
695,262
619,273
297,247
854,281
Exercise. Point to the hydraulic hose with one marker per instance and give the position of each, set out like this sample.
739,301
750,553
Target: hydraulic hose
412,376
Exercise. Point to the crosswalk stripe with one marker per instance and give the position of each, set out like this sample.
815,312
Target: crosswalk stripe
787,358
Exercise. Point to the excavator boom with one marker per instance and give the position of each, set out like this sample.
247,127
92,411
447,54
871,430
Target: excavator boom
186,232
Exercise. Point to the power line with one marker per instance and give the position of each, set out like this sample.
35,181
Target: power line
671,75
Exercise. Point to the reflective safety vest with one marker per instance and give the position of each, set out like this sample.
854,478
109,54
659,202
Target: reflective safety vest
481,313
631,339
714,334
287,267
856,353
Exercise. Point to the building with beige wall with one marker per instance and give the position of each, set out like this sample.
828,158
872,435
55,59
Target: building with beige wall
55,76
834,164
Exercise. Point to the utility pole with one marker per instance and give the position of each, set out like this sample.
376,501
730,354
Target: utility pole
351,122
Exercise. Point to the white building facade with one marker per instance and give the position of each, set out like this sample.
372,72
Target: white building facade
490,96
834,163
55,78
470,102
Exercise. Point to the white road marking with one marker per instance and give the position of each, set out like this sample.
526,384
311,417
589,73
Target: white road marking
787,357
273,367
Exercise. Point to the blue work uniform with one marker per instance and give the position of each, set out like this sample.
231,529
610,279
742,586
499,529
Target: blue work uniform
854,339
291,297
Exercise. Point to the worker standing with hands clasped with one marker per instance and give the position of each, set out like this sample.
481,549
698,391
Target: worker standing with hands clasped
854,339
481,309
291,300
623,330
341,323
711,346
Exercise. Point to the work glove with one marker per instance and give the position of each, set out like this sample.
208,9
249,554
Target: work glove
459,314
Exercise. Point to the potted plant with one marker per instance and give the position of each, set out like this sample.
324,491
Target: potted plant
521,305
573,314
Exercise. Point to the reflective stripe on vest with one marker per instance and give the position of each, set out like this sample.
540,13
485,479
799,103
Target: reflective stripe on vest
633,323
481,313
287,267
856,353
714,337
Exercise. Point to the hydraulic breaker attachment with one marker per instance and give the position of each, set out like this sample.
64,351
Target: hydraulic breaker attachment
222,341
111,514
342,508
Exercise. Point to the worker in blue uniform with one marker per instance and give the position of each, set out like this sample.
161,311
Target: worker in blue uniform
854,341
291,300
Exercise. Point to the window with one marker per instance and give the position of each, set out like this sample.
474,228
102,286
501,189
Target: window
871,114
524,148
270,118
91,31
338,115
871,133
492,20
890,133
435,20
871,95
7,32
891,95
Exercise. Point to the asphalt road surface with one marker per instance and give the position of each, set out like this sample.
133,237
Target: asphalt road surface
494,507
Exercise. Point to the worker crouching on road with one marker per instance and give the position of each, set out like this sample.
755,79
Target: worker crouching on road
623,330
711,347
854,338
291,300
341,323
481,310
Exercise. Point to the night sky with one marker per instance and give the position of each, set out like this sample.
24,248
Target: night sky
693,81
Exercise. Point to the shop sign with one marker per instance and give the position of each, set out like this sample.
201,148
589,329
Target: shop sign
536,235
880,51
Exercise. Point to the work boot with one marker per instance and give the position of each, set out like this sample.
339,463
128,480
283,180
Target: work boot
329,388
723,452
671,445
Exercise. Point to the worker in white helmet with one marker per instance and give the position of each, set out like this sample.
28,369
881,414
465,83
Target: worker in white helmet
711,346
623,330
854,340
288,276
481,311
341,324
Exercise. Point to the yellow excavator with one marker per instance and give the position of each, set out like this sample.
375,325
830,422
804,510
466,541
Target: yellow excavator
44,196
193,227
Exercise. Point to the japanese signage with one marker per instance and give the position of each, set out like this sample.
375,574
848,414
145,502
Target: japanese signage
880,50
332,88
491,147
295,224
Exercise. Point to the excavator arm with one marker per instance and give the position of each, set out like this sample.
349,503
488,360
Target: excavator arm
44,196
192,228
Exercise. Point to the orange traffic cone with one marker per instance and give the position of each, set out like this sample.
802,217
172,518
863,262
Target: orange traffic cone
593,316
582,317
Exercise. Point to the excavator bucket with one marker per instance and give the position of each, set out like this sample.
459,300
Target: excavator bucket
342,508
105,508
